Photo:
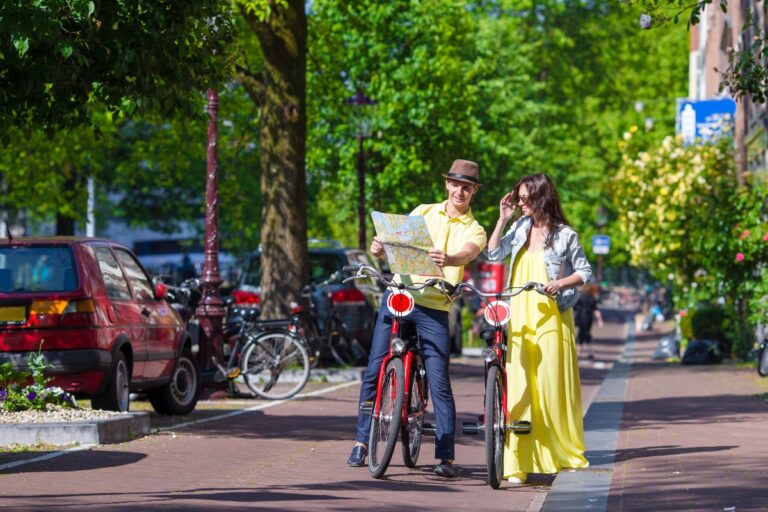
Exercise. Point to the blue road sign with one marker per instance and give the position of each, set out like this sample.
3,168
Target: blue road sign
705,120
601,244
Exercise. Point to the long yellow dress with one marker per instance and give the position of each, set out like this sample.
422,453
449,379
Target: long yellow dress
542,379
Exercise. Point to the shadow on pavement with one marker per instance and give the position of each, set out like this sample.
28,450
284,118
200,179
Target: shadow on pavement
85,460
600,457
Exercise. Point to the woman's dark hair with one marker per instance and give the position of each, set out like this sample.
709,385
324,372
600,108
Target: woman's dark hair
544,200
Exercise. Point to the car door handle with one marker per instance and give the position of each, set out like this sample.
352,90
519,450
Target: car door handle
146,311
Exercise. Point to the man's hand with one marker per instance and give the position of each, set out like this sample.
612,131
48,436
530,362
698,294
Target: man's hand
439,257
377,248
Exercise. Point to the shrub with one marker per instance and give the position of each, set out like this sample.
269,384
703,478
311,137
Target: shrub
16,394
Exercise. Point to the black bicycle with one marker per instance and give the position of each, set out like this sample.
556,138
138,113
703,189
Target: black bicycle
321,324
269,356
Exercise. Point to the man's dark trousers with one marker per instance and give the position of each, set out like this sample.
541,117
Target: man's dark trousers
432,328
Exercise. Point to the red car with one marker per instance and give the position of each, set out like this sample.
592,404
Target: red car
105,329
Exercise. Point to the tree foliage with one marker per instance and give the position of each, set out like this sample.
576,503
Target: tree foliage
685,213
57,56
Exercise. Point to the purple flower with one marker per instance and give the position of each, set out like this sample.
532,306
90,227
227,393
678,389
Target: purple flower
31,395
3,394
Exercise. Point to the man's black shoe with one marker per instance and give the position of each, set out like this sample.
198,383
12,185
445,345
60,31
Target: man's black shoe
357,457
445,469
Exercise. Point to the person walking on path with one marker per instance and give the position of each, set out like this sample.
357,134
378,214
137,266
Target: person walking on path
584,312
542,367
457,240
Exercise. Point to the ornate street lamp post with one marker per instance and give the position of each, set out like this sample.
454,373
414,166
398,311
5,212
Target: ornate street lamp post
363,107
211,309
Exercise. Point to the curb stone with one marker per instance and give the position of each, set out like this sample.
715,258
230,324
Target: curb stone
104,431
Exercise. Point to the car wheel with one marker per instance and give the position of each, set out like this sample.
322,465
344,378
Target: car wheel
116,395
179,396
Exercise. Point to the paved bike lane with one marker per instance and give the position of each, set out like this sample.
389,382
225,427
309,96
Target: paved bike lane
289,456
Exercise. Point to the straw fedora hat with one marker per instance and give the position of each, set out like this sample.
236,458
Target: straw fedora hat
464,170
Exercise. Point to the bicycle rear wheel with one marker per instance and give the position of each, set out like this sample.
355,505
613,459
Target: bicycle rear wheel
386,424
275,364
346,351
412,432
494,427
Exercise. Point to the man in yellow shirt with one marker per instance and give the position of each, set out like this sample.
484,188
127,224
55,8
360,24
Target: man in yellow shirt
458,239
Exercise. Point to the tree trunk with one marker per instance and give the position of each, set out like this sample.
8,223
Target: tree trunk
282,143
65,224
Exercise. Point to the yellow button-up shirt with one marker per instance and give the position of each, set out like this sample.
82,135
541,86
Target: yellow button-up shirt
450,235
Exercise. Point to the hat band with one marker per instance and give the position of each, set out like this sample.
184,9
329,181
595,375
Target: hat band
463,177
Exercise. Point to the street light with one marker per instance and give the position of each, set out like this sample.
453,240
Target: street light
211,309
363,109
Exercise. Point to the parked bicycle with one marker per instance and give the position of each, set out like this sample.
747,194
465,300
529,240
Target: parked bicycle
321,324
494,421
269,355
402,392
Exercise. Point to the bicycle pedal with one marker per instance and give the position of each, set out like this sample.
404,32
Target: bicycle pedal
520,427
366,408
428,429
471,428
235,373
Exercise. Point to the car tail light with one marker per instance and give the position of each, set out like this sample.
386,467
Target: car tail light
46,313
348,297
61,313
243,298
78,313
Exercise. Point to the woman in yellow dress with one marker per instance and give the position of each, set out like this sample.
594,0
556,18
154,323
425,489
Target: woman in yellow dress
542,365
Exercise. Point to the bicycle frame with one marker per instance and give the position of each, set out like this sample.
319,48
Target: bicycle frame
408,356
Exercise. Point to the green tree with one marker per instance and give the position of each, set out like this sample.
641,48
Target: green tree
58,56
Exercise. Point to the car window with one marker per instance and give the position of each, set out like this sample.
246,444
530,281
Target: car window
321,266
37,269
114,280
142,286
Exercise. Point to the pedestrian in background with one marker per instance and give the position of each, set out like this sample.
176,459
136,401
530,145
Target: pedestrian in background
584,312
542,366
458,239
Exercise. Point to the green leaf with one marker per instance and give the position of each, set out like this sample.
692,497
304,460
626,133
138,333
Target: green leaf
21,45
66,51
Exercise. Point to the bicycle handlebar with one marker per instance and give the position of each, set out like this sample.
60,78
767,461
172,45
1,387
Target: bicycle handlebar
516,290
362,271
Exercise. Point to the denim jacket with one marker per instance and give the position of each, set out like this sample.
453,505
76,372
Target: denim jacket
563,258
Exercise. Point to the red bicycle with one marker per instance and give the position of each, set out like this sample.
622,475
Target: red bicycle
401,394
494,419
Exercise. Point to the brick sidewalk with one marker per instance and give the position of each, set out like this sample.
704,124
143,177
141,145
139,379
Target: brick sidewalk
691,437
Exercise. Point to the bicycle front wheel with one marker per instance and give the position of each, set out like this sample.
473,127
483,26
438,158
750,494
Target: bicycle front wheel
494,427
275,364
386,424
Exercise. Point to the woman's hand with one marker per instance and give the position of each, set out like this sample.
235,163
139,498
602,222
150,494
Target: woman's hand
507,207
553,287
377,248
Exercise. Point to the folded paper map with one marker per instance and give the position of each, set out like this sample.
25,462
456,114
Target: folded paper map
407,242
